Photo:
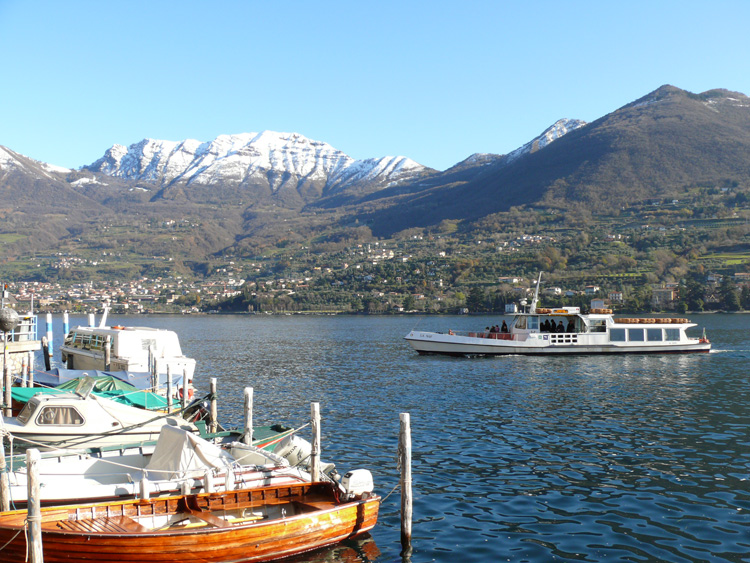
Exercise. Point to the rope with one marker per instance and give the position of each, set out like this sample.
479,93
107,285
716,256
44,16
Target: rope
382,500
14,537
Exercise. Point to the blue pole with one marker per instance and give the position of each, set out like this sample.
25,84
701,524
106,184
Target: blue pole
49,332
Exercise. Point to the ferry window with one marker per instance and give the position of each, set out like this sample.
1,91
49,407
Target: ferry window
67,416
653,334
635,334
598,325
617,335
534,323
672,334
521,322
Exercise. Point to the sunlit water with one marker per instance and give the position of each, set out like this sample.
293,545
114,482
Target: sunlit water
589,458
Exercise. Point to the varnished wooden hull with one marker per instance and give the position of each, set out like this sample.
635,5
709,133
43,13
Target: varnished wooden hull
299,518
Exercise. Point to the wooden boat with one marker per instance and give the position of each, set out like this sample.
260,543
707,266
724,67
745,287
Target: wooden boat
565,330
262,524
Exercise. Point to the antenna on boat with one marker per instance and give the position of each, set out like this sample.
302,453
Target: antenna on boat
103,322
532,310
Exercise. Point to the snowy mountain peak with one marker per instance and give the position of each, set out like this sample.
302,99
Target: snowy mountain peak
12,161
552,133
278,159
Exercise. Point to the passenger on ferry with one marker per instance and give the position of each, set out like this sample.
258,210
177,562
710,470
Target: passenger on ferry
504,328
560,327
571,325
544,327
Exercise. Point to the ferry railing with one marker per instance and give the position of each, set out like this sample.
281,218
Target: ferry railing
489,335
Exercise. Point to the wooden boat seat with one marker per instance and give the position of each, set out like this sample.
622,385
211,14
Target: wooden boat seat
111,524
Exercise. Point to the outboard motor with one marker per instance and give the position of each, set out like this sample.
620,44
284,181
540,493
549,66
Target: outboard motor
297,452
357,483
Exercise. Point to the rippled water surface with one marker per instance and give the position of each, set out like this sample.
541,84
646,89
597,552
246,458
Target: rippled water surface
589,458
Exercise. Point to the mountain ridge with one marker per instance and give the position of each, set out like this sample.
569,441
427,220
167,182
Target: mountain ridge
252,186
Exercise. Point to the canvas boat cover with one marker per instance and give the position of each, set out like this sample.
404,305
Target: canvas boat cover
106,386
180,454
140,380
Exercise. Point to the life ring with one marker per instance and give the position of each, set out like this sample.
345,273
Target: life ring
118,327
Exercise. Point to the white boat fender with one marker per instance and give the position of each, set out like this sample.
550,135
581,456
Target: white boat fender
357,483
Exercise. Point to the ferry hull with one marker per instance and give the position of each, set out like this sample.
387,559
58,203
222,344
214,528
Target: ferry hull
446,344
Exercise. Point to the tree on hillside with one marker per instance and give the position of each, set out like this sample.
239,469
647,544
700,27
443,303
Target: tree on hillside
729,295
476,302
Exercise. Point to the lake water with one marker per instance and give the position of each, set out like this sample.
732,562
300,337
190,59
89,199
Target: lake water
589,458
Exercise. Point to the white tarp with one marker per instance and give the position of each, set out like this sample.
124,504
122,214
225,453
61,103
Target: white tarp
180,454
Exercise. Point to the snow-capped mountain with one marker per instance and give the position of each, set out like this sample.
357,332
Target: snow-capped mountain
12,161
276,160
552,133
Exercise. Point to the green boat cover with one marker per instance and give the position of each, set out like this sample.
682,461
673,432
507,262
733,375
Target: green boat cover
106,386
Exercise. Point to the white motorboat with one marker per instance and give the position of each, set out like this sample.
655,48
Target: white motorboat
565,330
131,349
180,461
83,420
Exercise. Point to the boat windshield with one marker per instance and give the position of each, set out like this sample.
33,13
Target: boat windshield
27,410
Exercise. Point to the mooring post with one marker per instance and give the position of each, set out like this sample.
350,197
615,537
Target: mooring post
214,423
7,382
185,390
107,352
34,510
31,369
315,453
24,371
4,479
45,353
247,435
169,388
155,376
49,334
404,450
66,324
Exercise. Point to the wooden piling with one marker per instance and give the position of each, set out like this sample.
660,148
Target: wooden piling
24,371
169,388
108,353
315,453
247,435
4,479
34,510
214,422
404,450
45,353
31,369
185,389
7,381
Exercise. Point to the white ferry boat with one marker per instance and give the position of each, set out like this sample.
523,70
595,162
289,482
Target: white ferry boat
565,330
132,349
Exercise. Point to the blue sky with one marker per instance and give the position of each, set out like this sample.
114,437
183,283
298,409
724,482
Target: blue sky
431,80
